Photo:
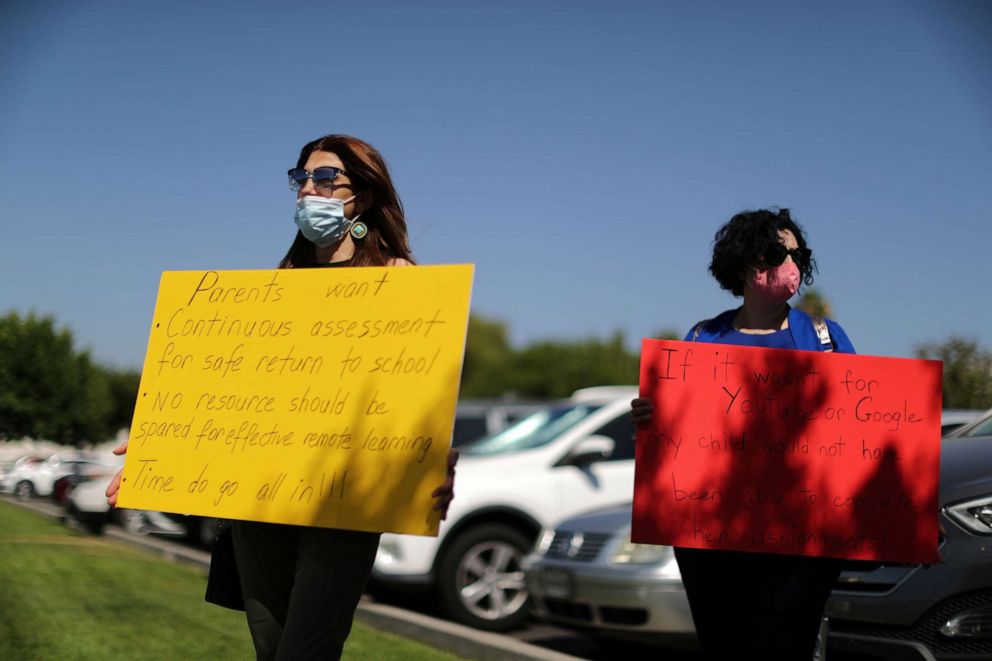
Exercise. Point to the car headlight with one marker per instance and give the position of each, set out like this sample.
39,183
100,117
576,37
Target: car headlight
974,516
976,623
629,553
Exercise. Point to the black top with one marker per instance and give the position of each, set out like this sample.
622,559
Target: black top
346,262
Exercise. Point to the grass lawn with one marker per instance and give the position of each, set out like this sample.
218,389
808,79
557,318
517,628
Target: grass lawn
65,595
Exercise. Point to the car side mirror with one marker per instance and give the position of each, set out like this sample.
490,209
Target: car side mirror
590,450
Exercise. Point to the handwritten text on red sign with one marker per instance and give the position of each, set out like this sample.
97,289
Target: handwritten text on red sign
797,452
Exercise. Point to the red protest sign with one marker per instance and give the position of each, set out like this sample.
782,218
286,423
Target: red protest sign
797,452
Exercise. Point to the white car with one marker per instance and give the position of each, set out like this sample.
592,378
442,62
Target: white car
570,457
12,471
86,503
31,476
475,419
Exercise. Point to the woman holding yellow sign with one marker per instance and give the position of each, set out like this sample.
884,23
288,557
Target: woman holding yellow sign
299,585
759,605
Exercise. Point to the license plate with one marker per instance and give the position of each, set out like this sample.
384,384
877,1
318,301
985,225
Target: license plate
557,583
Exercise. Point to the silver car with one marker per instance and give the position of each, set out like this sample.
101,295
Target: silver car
586,574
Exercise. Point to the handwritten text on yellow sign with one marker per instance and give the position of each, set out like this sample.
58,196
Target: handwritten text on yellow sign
321,397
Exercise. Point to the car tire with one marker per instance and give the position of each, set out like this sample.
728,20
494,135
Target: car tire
88,521
24,490
93,524
480,581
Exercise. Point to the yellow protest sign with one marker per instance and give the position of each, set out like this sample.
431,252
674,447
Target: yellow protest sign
322,397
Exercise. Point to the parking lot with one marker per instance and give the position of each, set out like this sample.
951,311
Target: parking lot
585,572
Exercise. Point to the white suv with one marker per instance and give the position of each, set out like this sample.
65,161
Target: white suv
570,457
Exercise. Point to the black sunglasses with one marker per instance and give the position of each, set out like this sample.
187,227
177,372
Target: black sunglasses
777,254
322,177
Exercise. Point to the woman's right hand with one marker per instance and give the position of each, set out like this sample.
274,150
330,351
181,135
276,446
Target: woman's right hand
115,482
641,411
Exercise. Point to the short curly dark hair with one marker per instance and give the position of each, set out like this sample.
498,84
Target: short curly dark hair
746,239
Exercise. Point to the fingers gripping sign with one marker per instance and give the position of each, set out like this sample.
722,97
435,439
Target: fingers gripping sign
115,483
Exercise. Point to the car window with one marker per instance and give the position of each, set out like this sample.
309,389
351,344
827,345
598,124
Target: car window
982,429
516,416
468,428
533,431
621,430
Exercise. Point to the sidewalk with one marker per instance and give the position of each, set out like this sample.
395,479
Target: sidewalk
448,636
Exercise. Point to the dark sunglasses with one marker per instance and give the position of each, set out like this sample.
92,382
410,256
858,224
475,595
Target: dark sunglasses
777,254
322,177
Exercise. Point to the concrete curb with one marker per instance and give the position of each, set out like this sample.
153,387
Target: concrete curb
447,636
454,638
167,550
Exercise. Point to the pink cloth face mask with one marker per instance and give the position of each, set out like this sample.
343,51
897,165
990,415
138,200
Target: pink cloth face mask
776,284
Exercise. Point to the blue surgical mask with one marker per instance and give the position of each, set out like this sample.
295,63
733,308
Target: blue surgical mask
321,219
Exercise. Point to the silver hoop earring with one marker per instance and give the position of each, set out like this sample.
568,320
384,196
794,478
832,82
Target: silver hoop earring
359,230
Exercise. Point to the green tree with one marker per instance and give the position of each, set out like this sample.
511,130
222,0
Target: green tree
47,389
668,333
123,389
967,371
544,369
551,369
814,303
487,357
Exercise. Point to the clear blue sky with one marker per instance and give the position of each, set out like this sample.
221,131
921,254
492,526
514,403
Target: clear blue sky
580,154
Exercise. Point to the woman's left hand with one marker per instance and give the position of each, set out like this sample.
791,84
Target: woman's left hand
445,493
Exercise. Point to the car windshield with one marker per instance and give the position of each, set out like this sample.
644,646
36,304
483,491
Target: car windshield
980,428
533,431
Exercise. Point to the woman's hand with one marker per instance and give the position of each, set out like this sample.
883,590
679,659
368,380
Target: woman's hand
445,493
115,483
641,411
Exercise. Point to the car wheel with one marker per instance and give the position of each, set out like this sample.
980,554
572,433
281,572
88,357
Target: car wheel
93,524
24,490
480,580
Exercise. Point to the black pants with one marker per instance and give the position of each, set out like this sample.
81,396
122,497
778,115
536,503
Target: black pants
756,605
301,586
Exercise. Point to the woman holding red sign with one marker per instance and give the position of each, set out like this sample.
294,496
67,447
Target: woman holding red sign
759,605
299,586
